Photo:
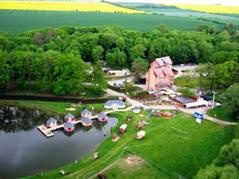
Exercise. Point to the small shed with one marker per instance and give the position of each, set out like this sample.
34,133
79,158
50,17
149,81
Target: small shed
114,104
86,113
69,126
87,122
140,135
102,117
51,122
123,127
69,117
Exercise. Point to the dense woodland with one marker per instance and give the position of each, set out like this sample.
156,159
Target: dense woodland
54,60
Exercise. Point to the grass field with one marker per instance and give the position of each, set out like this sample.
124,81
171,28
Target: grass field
171,148
20,21
64,6
211,8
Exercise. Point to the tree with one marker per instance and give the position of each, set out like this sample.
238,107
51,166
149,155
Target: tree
97,53
98,76
116,58
4,70
231,100
139,68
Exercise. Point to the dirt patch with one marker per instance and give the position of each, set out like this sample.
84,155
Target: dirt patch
132,162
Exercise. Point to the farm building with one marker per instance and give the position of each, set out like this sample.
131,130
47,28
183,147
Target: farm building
69,127
119,73
160,74
69,117
87,122
114,104
51,122
123,127
86,113
190,103
102,117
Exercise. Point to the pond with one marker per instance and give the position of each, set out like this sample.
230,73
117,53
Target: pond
24,150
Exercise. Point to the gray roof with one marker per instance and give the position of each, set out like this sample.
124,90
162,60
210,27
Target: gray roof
102,115
85,112
114,102
184,100
87,120
51,121
68,125
69,115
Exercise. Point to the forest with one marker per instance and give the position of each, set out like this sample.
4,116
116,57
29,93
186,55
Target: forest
64,61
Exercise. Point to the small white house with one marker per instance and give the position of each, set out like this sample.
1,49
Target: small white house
86,114
119,73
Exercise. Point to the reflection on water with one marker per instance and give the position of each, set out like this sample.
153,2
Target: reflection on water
24,150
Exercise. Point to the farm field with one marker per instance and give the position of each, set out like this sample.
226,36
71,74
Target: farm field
181,12
64,6
14,21
171,148
211,8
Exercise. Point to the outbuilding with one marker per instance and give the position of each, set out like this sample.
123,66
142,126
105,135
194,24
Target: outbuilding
51,122
87,122
86,114
123,127
69,117
69,127
114,104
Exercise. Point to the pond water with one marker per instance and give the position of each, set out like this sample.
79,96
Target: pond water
24,150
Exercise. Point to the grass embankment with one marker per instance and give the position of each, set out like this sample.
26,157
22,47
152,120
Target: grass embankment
179,146
220,9
19,21
64,6
55,107
221,113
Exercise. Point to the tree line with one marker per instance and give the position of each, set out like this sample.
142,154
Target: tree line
55,60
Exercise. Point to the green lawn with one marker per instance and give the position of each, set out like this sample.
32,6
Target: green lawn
19,21
179,146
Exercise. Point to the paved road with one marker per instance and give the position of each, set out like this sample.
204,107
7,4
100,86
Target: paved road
169,107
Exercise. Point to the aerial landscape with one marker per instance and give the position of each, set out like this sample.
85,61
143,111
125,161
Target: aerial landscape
119,89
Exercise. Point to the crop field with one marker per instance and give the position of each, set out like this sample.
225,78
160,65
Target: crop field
64,6
15,21
211,8
181,12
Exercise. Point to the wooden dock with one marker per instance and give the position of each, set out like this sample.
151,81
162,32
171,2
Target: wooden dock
48,132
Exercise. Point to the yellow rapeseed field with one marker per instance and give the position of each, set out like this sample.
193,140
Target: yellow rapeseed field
211,8
64,6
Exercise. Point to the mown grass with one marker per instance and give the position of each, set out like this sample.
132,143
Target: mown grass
173,147
64,6
15,22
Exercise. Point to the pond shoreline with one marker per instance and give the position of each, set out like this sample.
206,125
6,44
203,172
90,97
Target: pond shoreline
54,98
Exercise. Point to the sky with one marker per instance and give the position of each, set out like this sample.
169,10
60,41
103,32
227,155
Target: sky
224,2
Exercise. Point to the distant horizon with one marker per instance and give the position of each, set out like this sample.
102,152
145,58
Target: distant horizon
206,2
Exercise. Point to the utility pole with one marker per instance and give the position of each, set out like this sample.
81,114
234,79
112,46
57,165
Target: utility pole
213,99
